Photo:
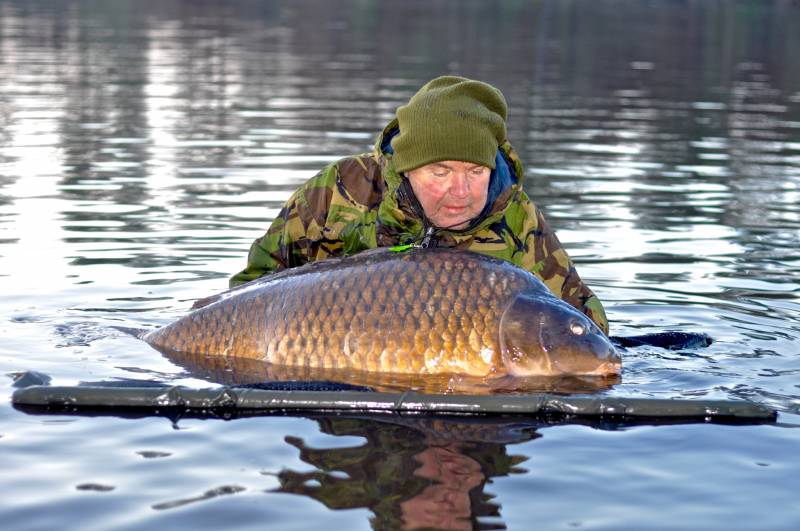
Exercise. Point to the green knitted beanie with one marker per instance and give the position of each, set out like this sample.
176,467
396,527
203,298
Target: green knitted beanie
450,118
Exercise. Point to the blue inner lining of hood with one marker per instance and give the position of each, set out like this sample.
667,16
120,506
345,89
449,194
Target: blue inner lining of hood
501,178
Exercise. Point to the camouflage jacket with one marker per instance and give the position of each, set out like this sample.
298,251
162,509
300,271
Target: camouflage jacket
361,202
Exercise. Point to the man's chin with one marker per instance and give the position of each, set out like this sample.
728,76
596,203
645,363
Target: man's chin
452,224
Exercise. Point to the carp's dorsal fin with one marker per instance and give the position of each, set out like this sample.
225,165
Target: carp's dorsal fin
311,267
205,301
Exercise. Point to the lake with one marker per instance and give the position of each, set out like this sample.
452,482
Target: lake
145,144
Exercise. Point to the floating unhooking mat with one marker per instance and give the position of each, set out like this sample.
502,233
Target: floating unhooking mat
156,399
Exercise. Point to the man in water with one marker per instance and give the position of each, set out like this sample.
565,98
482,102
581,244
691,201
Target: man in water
442,174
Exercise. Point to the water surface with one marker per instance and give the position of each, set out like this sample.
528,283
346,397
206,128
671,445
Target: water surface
144,145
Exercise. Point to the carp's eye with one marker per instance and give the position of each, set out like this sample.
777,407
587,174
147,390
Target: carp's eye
577,328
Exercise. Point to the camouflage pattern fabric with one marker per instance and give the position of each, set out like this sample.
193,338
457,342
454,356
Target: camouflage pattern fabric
361,202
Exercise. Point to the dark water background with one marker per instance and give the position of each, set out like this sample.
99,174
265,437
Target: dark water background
144,144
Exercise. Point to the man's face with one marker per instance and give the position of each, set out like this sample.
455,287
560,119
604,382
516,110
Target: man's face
451,192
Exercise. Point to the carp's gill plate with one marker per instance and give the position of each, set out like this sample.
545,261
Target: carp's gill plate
417,312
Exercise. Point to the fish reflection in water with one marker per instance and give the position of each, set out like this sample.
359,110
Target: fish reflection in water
230,370
412,473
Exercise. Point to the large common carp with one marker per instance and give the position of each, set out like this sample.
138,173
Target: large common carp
420,311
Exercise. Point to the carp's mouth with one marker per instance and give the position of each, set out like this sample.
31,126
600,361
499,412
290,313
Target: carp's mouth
612,367
560,363
543,336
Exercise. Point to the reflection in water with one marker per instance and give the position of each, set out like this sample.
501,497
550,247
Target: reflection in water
175,131
412,473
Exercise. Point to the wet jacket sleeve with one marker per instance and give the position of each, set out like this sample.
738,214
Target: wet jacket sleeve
548,260
295,235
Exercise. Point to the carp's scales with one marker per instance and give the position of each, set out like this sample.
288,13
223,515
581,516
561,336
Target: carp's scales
420,311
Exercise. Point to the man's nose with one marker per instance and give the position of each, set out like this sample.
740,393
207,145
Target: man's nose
459,185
